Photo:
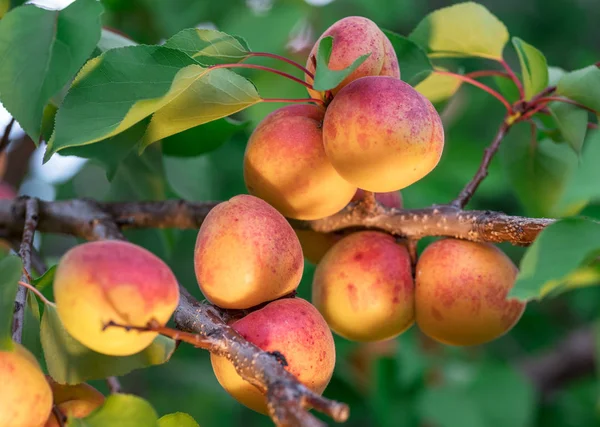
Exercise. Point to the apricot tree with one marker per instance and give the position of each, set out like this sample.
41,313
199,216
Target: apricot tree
323,175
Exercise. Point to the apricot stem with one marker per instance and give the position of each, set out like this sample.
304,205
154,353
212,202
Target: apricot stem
567,101
488,73
6,134
38,293
514,78
263,68
480,85
315,100
284,59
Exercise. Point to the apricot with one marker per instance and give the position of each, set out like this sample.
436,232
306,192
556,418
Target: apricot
315,245
25,396
382,135
246,254
364,288
294,328
285,164
6,191
461,290
353,37
97,282
77,400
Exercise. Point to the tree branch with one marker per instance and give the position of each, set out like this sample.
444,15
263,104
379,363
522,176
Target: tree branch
90,220
30,223
467,192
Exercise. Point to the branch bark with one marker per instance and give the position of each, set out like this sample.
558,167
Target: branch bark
30,224
445,221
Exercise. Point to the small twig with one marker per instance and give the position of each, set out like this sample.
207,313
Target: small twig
467,192
514,78
6,135
301,100
480,85
37,292
368,202
284,59
488,73
411,245
567,101
31,221
114,386
263,68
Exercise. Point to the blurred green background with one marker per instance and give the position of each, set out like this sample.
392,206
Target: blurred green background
410,381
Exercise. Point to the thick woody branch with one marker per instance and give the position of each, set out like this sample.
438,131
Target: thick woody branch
80,218
30,224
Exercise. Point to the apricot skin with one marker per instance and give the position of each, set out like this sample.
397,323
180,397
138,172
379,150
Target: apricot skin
353,37
97,282
6,192
73,400
382,124
285,164
246,254
461,290
315,245
293,327
364,289
25,396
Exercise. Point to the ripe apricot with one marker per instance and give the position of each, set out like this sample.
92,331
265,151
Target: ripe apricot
285,164
77,400
246,254
461,290
353,37
382,135
97,282
364,288
25,396
6,191
315,245
294,328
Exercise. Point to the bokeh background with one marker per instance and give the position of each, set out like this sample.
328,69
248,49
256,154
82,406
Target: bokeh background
409,381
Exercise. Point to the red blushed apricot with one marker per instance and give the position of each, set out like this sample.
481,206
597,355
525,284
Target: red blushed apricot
77,400
353,37
364,289
293,327
246,254
97,282
25,396
6,191
382,135
315,245
285,165
461,290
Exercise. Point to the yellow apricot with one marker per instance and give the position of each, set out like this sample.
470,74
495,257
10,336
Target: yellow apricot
364,288
285,165
294,328
97,282
78,400
246,254
461,290
25,396
382,135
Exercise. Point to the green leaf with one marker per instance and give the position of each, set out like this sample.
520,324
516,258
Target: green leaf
438,87
10,273
41,51
124,86
120,410
110,153
461,30
201,139
209,47
538,172
110,39
438,406
413,60
507,88
572,123
534,67
582,86
583,185
45,279
325,78
178,419
71,362
559,260
4,6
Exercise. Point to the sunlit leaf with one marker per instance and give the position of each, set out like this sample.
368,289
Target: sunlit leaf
559,260
326,78
464,29
209,47
41,51
534,67
178,419
120,410
438,87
